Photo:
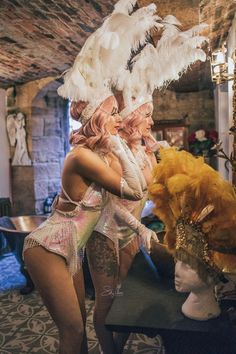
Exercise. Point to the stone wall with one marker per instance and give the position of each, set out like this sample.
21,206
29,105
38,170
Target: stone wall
22,183
49,142
47,128
199,106
5,151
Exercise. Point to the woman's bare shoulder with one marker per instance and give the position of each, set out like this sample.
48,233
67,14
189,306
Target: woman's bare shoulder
84,162
80,155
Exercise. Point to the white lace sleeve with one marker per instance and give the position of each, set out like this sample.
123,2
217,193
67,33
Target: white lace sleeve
134,224
132,182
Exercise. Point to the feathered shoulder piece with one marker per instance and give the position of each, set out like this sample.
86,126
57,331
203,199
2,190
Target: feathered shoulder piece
197,206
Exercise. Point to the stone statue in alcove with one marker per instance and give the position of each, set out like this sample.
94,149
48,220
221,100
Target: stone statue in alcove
17,137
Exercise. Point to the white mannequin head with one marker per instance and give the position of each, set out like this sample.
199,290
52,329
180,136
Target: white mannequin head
201,303
187,279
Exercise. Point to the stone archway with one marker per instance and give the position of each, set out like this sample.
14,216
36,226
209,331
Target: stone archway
47,127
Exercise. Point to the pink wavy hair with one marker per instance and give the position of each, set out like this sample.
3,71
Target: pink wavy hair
94,134
131,123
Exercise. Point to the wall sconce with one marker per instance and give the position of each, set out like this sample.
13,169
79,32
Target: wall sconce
222,69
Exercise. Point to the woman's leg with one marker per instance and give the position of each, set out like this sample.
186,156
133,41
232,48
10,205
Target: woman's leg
126,256
103,264
51,277
78,281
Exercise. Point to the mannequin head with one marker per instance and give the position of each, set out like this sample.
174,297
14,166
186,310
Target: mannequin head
201,303
187,279
195,271
95,133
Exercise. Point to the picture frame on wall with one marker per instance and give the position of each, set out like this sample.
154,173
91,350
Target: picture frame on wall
158,135
175,132
175,136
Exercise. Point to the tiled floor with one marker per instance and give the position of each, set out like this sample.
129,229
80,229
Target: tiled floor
26,327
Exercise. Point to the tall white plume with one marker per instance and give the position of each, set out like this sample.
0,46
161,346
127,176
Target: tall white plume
124,6
155,67
104,56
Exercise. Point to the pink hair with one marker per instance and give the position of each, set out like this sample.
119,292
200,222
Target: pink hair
94,134
131,123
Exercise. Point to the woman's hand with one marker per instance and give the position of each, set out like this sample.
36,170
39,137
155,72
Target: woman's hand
90,165
147,236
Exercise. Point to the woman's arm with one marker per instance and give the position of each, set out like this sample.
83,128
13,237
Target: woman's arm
134,224
89,165
152,158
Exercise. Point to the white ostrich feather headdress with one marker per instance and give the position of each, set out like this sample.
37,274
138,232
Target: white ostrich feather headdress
155,67
104,56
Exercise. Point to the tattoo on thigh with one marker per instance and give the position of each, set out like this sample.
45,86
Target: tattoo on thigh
102,258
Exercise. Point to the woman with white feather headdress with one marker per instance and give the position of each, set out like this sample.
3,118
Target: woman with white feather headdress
114,243
104,56
52,252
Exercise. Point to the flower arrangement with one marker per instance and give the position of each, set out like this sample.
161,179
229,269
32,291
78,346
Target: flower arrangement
202,141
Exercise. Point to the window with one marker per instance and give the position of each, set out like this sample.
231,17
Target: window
73,124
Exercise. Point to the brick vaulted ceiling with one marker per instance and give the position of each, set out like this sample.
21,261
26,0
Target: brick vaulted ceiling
40,38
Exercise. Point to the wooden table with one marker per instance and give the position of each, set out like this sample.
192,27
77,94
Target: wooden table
151,305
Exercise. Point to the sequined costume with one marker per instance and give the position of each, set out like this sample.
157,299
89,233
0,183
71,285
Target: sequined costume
66,232
119,215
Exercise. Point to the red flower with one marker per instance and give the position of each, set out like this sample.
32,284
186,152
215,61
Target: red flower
213,135
192,138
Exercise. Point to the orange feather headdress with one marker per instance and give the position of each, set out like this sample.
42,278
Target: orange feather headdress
198,208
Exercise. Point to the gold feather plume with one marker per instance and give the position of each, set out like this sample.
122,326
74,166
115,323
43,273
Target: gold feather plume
185,187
